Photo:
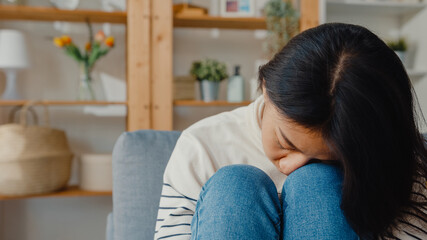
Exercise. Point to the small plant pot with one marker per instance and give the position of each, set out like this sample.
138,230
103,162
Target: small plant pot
209,90
401,55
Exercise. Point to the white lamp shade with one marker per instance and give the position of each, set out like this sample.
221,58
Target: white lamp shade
13,50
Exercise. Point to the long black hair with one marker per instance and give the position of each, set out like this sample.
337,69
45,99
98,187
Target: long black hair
344,82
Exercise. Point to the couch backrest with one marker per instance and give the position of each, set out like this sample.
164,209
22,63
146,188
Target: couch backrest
139,161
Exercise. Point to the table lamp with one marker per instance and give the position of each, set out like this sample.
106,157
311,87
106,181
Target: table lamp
13,57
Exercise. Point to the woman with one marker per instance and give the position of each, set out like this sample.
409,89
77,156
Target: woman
336,120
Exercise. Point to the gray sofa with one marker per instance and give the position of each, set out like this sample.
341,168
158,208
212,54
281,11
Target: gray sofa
139,160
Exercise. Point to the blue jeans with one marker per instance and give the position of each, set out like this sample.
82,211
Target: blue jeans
241,202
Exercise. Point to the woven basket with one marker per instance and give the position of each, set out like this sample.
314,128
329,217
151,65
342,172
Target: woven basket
33,159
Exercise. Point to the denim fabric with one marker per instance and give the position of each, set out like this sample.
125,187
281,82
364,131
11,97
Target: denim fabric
241,202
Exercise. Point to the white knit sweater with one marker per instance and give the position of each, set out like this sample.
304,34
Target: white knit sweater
227,138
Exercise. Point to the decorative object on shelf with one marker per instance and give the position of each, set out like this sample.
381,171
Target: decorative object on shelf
94,50
188,10
236,87
96,172
209,73
65,4
33,159
254,92
183,88
13,2
114,91
13,57
399,47
237,8
282,24
214,8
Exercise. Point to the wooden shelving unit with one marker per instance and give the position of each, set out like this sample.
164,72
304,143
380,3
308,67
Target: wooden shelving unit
70,191
53,14
60,103
220,22
194,103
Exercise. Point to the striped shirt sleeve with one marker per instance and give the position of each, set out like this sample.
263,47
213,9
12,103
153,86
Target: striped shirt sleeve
187,171
174,215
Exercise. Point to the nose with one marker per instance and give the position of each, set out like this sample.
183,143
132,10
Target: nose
292,162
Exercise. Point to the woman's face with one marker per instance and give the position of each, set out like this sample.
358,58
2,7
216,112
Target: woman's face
288,145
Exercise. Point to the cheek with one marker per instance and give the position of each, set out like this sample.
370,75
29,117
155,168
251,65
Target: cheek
269,145
269,141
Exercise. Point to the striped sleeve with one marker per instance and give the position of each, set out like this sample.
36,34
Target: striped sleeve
188,169
174,215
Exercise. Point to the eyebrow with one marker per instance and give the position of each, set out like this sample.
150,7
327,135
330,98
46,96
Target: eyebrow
288,141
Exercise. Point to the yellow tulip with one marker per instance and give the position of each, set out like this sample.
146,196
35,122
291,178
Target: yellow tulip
109,41
58,42
66,39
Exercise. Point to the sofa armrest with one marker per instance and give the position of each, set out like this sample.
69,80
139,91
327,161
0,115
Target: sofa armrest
139,161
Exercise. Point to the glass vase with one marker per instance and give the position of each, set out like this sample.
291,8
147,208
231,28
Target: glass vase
86,92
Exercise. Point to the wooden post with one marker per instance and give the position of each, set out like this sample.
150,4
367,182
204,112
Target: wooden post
309,14
162,65
138,64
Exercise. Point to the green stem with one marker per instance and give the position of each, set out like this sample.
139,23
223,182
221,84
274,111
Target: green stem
90,30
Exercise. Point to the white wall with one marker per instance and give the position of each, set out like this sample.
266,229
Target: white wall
55,76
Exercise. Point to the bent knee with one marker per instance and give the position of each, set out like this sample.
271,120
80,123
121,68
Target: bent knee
313,176
239,176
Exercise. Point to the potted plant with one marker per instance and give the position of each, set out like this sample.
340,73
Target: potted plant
209,73
399,47
282,21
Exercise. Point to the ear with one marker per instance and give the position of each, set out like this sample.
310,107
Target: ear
263,88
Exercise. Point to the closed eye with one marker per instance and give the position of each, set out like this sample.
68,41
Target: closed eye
281,147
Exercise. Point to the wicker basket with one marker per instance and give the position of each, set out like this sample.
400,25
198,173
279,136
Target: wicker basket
33,159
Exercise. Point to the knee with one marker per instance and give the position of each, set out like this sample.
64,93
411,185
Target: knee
313,176
239,178
239,175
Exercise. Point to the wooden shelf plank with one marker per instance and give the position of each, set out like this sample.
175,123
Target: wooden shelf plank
60,103
416,74
94,16
53,14
195,103
220,22
70,191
